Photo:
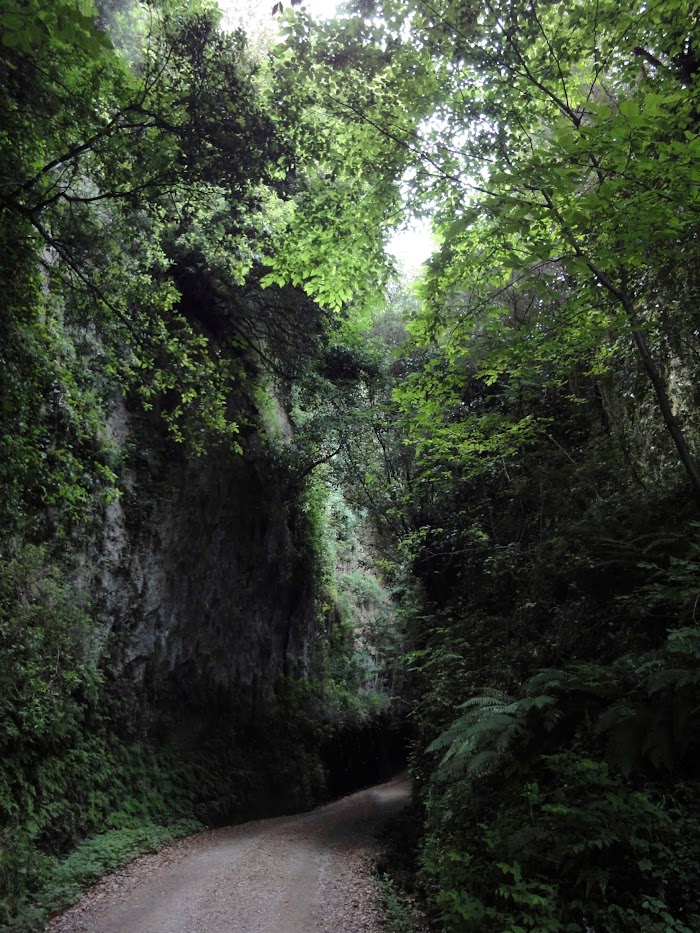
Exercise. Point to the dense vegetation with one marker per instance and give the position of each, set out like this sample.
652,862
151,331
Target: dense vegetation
538,479
146,170
201,232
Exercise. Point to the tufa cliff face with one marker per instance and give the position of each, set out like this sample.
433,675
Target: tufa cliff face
203,591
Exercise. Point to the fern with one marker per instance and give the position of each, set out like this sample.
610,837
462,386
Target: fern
614,716
482,763
547,679
586,678
487,699
643,709
672,679
685,640
477,741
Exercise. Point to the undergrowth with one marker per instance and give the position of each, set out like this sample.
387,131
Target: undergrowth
83,788
61,882
396,871
399,913
570,803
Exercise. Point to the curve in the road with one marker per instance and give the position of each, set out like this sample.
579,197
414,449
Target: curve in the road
294,874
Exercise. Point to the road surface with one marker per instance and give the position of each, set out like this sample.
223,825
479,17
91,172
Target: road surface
293,874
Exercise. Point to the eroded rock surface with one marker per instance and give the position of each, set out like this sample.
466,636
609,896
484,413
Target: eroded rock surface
201,583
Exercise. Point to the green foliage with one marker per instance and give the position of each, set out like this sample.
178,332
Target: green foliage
79,797
134,172
152,183
535,492
579,847
65,22
63,775
642,706
124,799
88,805
62,882
356,611
339,91
546,269
175,222
480,737
566,783
47,653
57,463
399,914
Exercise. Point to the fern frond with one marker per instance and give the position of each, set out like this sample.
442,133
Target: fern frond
546,678
461,749
613,717
538,702
686,640
482,763
452,770
484,701
673,678
478,740
506,737
450,735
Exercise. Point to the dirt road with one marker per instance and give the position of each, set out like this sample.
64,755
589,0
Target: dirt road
294,874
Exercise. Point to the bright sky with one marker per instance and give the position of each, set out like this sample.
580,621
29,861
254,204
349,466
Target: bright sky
411,246
257,14
321,8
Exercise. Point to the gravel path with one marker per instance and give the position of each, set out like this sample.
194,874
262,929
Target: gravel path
309,873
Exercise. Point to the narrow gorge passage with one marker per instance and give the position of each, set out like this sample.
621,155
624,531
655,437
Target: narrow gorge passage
292,874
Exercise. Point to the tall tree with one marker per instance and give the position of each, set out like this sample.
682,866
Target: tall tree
127,163
538,134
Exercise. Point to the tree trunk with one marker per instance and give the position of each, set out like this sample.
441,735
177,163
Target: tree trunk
672,425
674,428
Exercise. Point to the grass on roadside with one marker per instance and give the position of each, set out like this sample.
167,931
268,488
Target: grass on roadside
98,856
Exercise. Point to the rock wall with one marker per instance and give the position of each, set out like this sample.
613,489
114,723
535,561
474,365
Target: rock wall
203,591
